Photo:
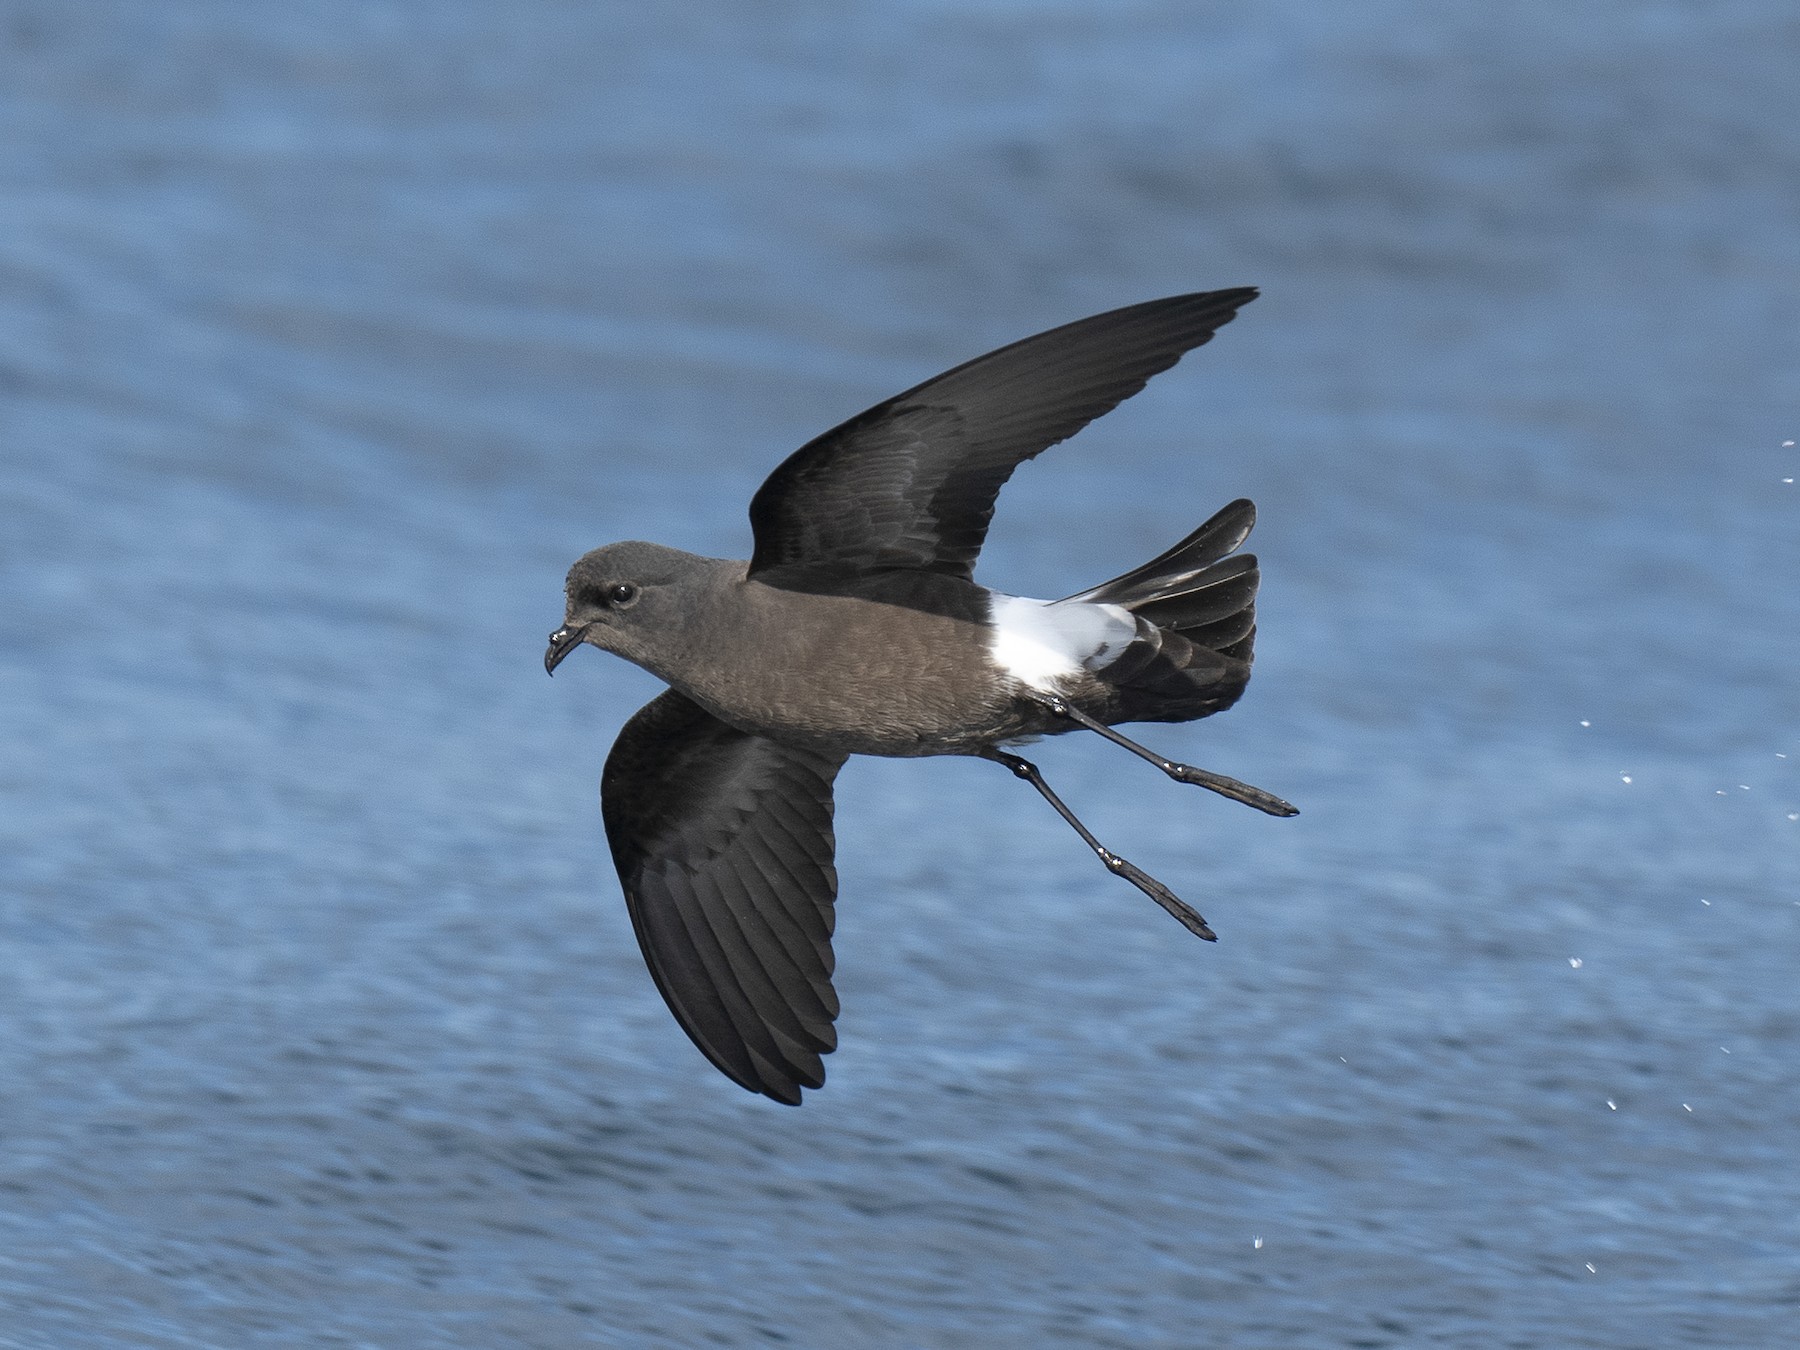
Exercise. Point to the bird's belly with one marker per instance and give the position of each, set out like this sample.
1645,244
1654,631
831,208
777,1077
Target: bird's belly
866,701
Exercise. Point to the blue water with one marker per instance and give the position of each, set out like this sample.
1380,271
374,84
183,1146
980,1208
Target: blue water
330,332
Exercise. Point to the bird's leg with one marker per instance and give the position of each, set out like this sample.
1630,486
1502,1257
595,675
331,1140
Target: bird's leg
1181,773
1184,913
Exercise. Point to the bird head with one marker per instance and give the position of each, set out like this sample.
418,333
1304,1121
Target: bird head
625,598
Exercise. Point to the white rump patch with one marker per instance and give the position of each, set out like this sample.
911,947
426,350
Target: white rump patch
1044,642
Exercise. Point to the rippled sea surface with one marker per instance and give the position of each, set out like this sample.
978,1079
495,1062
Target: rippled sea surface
330,332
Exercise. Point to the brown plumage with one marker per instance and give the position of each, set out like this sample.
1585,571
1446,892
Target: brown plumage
857,628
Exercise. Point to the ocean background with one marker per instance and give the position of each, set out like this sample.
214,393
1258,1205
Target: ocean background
332,331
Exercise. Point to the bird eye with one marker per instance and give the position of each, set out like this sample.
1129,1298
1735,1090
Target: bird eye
622,594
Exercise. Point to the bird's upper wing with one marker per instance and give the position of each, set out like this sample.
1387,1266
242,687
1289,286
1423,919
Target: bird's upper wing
723,843
911,482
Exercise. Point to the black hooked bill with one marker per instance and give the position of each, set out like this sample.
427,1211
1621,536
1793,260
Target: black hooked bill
563,641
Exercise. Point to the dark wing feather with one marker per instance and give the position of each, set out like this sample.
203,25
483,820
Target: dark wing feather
723,843
1166,573
911,482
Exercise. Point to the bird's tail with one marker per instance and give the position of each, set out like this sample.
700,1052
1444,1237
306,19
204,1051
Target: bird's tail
1196,589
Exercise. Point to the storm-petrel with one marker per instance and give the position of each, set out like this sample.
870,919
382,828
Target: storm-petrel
857,629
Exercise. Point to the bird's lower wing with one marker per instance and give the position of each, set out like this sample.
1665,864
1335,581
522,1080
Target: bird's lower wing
724,846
